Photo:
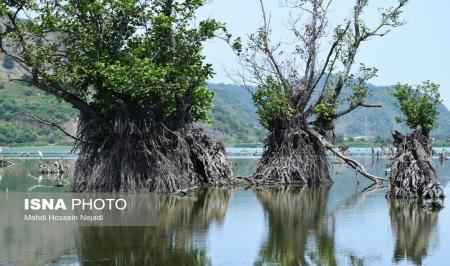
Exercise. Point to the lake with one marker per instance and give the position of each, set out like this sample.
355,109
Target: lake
346,223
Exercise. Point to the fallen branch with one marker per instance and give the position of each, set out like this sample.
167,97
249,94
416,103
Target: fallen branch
184,192
353,163
48,123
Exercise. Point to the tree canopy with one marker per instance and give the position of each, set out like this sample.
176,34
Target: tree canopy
307,82
303,79
100,54
419,105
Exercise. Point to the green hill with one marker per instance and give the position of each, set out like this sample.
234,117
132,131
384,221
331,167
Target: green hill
233,113
381,121
18,128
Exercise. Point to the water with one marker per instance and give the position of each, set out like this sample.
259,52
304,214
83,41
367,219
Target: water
56,152
342,224
249,152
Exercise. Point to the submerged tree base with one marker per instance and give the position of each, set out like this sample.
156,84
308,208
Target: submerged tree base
145,156
292,156
413,174
4,162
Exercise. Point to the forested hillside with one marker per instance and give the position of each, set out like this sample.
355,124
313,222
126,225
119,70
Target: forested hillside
234,110
18,128
380,121
233,113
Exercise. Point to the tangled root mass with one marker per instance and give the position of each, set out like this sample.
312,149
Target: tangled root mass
413,174
292,156
140,154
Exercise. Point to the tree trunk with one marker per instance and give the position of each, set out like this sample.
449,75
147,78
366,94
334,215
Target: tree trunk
292,155
141,154
413,174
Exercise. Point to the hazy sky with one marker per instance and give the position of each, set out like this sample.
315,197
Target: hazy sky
417,51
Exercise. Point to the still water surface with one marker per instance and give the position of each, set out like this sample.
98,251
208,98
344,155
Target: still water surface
340,224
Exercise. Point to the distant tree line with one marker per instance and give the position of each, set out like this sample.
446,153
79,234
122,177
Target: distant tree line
10,134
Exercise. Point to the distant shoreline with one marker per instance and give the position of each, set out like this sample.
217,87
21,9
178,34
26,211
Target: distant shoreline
63,152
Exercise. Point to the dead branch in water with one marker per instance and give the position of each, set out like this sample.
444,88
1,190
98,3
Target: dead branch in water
353,163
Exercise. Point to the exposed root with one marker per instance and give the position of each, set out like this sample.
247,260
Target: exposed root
296,155
291,157
413,174
142,155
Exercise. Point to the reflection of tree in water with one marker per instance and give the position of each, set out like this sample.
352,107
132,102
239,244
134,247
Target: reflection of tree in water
244,167
297,216
176,240
412,226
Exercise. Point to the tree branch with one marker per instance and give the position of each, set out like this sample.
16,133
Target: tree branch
71,98
48,123
391,15
353,163
353,107
268,49
322,72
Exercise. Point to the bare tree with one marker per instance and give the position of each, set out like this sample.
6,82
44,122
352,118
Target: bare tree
301,84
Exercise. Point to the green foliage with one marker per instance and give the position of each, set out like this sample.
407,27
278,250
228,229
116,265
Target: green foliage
325,111
142,53
235,114
15,100
272,103
13,134
201,103
358,85
419,105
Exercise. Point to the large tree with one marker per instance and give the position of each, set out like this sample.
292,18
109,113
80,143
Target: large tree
135,71
308,82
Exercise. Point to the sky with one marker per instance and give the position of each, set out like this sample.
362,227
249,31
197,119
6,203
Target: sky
417,51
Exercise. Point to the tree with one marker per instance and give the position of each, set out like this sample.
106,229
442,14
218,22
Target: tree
419,104
135,71
413,173
301,88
